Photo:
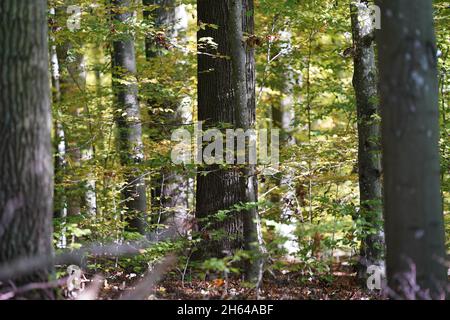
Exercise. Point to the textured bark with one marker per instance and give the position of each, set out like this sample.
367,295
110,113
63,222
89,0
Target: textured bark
226,95
219,189
128,117
90,195
243,88
410,134
26,169
369,153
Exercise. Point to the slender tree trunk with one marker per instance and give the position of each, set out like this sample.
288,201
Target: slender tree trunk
60,143
128,117
283,116
369,153
170,194
90,195
226,95
243,86
163,15
73,88
72,84
410,134
26,168
73,77
59,199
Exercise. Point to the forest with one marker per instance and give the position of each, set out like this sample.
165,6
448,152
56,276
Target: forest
224,149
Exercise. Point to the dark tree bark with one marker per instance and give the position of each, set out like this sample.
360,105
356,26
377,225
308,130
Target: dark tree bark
220,189
60,209
410,134
369,150
26,168
128,116
226,95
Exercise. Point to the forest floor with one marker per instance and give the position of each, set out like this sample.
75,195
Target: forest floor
289,286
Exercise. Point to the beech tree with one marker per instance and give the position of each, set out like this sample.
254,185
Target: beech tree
26,168
410,133
170,188
369,150
226,95
283,117
127,114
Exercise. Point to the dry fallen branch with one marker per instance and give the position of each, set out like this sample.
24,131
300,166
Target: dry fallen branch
32,286
25,266
144,288
92,292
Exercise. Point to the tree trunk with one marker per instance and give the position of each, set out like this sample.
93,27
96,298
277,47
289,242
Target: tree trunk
243,88
369,153
26,169
90,195
163,15
283,117
128,118
59,198
410,134
170,194
59,140
69,61
73,88
226,95
73,77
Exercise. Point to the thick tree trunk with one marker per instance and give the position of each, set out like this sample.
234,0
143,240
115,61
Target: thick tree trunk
26,168
410,134
369,150
128,117
219,189
226,95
